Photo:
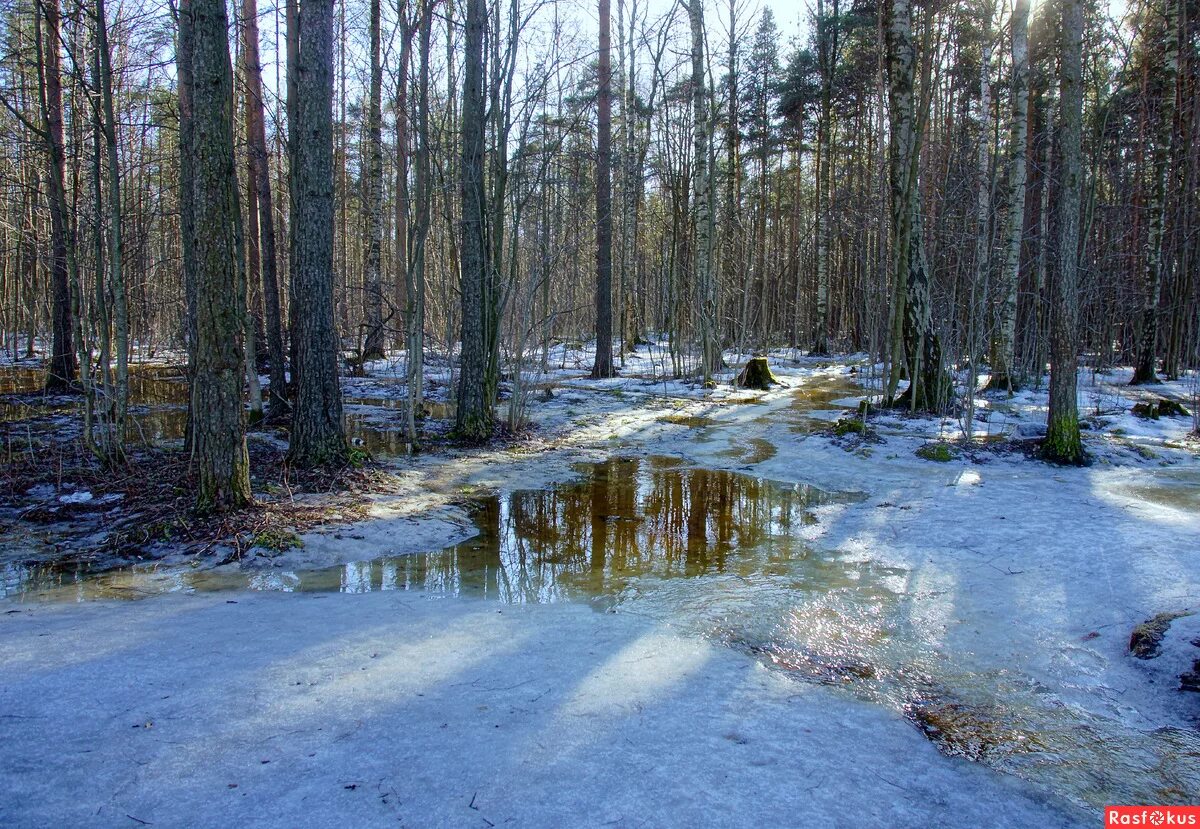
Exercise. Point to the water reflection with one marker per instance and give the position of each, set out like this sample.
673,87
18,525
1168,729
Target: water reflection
628,521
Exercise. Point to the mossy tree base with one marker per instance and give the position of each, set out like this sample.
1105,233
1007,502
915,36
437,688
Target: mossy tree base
1063,444
756,375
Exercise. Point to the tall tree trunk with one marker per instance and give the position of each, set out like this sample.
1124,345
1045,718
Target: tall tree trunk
983,209
902,151
914,344
220,420
317,437
414,309
187,214
400,253
373,180
62,368
116,274
260,181
474,419
1003,356
710,352
1063,443
603,367
827,44
1145,369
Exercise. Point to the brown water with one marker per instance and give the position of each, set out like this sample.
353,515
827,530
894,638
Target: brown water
158,410
819,395
1178,489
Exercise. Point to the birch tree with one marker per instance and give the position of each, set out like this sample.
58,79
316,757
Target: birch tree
1003,357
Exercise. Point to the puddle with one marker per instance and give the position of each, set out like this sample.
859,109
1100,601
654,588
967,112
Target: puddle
1177,489
821,394
750,451
628,526
157,405
158,410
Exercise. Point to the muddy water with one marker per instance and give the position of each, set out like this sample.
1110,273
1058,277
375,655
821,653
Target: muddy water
1178,489
158,410
821,394
157,404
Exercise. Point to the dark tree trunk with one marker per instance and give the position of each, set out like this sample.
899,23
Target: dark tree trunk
1063,443
317,438
603,367
260,182
372,280
187,220
220,419
474,419
62,353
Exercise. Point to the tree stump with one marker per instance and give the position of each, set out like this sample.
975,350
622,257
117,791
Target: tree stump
756,375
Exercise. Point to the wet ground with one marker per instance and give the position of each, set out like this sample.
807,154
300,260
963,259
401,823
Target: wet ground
728,556
158,411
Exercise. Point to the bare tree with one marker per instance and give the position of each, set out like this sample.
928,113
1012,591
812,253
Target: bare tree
1003,368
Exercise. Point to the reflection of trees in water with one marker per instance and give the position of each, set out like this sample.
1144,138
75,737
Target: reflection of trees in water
629,518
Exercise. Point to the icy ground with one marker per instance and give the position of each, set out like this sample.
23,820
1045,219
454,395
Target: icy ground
387,708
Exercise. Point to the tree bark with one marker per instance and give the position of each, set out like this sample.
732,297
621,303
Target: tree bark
1003,348
710,352
220,420
414,313
317,436
62,369
1145,368
1063,443
603,366
474,420
260,181
373,180
827,42
115,451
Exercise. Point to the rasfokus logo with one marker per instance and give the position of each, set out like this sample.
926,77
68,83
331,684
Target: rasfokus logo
1152,816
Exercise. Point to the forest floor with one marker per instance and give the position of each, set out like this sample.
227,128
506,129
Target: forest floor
938,634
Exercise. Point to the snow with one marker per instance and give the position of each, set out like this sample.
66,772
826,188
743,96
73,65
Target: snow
380,709
1019,583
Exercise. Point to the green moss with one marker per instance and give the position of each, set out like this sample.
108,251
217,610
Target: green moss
1145,641
277,539
849,426
1062,444
1154,409
939,452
